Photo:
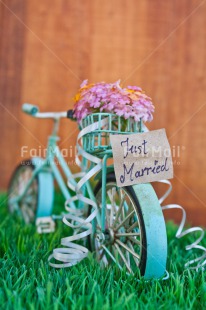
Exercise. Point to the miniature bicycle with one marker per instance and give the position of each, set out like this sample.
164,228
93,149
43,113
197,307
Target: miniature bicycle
129,228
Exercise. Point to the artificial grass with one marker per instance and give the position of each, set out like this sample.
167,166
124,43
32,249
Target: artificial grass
28,282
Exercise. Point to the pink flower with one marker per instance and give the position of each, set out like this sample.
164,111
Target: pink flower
111,98
84,83
137,88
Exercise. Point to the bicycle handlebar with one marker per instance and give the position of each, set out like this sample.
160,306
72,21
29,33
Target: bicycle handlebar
33,110
30,109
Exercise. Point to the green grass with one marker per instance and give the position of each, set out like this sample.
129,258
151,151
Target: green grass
28,282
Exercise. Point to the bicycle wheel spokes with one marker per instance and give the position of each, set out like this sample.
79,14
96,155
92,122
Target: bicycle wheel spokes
134,241
27,204
119,211
127,248
111,193
125,220
135,225
136,260
121,240
127,234
126,260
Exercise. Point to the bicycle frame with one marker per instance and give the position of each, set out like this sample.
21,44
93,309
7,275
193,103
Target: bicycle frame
49,165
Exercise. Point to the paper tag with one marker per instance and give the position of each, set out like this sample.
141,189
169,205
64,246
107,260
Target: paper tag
141,157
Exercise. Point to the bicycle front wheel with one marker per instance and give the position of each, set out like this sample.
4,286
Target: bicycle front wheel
135,233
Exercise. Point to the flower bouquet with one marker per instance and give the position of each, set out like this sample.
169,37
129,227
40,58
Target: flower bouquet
125,109
128,102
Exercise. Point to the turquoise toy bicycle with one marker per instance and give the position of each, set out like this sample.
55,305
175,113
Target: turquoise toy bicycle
123,225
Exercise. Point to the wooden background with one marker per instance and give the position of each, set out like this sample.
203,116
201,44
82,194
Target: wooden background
48,47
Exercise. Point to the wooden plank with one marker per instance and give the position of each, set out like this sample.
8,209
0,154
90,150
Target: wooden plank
158,45
11,51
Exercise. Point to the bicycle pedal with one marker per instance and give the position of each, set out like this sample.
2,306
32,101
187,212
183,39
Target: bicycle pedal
45,225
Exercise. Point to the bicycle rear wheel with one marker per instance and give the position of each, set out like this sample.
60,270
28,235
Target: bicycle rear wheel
135,233
27,206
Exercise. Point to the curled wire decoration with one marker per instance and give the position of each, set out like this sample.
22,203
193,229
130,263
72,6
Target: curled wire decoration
73,253
200,261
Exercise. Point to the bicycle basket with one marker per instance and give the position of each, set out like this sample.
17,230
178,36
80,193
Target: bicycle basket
98,140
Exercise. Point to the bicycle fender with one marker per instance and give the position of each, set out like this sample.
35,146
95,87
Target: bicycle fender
155,231
46,189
